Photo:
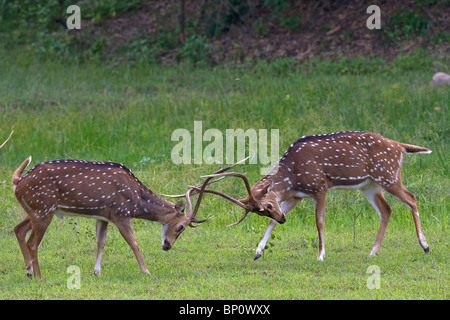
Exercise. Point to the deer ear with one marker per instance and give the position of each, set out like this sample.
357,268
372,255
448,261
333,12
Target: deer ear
179,206
268,184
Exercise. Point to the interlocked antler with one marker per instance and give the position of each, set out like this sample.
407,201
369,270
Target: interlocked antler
202,189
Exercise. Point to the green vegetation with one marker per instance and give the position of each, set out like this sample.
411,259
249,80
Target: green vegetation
127,114
143,31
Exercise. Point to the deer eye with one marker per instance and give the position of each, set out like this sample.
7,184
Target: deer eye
180,228
269,206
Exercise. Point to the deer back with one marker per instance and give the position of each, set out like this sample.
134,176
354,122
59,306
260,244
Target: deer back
342,159
86,188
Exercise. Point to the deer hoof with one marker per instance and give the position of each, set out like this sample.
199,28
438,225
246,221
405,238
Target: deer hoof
258,255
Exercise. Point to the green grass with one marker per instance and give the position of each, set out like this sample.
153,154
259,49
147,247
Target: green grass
127,114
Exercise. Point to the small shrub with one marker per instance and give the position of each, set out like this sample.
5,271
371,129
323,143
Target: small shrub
195,49
283,65
414,61
357,65
403,25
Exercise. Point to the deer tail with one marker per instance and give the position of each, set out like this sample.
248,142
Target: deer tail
409,148
18,173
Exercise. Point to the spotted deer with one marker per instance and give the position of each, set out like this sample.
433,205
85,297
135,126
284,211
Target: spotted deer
312,165
105,191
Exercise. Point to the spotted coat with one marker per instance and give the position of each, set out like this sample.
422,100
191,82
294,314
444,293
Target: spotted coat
85,187
342,159
312,165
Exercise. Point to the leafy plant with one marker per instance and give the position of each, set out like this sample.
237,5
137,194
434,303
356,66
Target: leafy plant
271,242
195,49
357,65
283,65
403,25
441,37
259,27
279,13
66,45
418,59
101,9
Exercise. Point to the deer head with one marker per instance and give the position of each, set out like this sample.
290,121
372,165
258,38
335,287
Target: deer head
177,222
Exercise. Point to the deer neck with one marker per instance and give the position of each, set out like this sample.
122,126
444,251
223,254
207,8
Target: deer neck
154,208
274,186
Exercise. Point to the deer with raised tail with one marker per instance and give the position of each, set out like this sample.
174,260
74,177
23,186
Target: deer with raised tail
105,191
312,165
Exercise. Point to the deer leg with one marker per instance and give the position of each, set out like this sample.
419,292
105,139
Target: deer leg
39,226
320,200
127,233
409,199
262,243
375,196
102,229
21,231
286,207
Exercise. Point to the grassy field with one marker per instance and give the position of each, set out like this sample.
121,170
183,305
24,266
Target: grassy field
127,114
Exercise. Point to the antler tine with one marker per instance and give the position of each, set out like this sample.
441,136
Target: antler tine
188,201
192,214
223,195
232,166
233,174
217,172
201,189
195,188
2,182
192,191
7,139
221,174
240,220
247,209
173,195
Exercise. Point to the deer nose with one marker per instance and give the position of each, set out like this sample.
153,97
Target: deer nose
283,219
166,246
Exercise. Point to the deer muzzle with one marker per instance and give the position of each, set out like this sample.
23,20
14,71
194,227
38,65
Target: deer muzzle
283,219
166,245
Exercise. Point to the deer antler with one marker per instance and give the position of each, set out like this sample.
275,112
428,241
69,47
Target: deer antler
201,190
233,174
240,220
7,139
195,190
247,208
2,182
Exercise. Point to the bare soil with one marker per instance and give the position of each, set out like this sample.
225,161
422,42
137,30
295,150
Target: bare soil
329,29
